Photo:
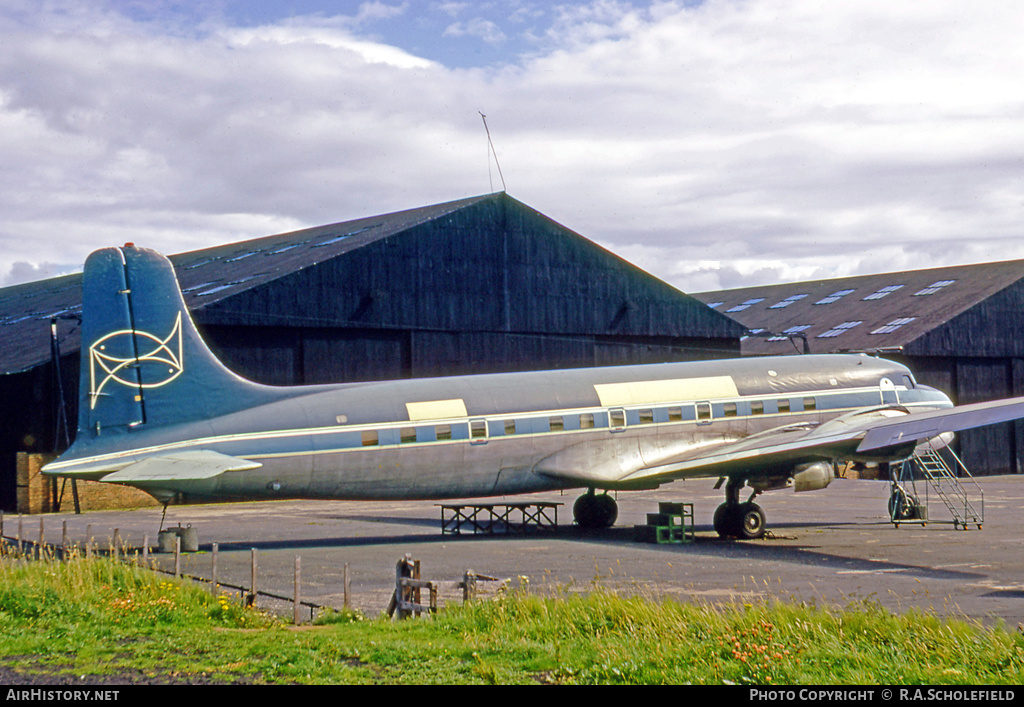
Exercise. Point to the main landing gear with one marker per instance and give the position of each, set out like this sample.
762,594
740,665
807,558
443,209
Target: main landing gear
733,519
594,511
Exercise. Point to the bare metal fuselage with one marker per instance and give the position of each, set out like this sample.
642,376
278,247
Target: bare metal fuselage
496,434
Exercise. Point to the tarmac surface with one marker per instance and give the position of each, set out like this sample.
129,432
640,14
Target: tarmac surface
831,547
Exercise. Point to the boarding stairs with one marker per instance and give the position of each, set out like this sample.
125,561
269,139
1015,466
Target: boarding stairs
953,484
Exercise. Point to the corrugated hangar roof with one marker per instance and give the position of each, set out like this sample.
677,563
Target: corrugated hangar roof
885,312
206,276
216,274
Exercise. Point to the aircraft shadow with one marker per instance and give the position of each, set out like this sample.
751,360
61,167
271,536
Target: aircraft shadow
1005,594
706,543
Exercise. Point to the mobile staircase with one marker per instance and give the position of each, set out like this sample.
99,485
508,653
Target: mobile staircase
953,484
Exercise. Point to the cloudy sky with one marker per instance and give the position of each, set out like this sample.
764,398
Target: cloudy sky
717,144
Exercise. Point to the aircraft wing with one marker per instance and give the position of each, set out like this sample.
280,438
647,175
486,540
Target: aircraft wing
926,425
885,433
179,466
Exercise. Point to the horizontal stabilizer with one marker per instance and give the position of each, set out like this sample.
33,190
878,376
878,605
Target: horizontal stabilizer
179,466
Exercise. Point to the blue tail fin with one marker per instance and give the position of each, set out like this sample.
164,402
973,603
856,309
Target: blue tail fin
144,364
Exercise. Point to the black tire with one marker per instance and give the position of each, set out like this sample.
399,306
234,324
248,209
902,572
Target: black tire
725,521
595,511
902,506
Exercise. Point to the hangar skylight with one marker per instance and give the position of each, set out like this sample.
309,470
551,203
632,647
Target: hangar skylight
934,287
213,287
748,303
834,296
837,330
342,237
885,291
788,301
893,325
791,330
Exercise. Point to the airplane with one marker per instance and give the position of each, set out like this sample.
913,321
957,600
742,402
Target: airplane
159,412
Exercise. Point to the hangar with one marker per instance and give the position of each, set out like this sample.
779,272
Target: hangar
478,285
958,328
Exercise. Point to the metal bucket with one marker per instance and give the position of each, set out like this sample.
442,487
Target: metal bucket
165,540
189,539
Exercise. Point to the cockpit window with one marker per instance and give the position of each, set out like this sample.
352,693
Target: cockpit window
909,382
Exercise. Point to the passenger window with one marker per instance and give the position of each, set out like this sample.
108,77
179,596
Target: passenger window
783,406
729,409
370,438
810,404
555,424
757,407
587,421
617,418
646,417
703,411
675,414
443,432
407,435
510,427
478,429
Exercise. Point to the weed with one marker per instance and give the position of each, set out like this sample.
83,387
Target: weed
100,617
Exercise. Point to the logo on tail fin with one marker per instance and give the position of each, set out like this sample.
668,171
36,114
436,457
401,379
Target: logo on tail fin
112,356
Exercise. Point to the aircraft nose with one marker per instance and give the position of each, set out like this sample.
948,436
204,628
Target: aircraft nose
934,394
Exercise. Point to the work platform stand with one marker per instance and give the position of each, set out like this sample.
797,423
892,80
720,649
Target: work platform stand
491,518
673,523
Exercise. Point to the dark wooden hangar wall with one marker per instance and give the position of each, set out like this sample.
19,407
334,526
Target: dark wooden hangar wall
976,356
491,287
29,407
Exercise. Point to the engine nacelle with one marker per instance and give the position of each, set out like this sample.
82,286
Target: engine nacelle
811,477
805,477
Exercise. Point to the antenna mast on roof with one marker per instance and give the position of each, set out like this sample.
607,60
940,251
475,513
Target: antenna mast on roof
491,144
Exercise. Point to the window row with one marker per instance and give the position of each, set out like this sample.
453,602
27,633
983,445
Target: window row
616,418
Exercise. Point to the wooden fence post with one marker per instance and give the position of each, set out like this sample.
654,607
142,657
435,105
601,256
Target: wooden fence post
348,584
298,593
213,573
251,599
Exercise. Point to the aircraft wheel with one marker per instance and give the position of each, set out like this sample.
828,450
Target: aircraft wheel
751,521
902,506
745,521
728,521
593,511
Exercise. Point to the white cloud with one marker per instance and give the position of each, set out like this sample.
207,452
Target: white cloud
313,36
478,27
718,145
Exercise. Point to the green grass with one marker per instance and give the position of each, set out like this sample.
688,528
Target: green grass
101,618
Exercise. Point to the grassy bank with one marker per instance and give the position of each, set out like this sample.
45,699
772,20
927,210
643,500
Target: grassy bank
95,617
